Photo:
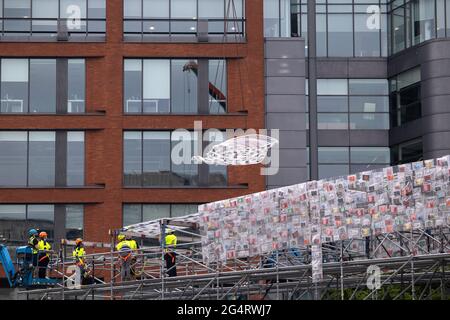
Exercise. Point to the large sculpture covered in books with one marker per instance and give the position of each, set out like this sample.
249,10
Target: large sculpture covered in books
402,198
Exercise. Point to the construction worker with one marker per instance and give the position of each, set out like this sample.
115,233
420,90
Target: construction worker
43,256
125,250
134,247
33,242
170,255
79,255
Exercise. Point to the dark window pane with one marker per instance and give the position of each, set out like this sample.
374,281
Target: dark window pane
76,86
14,85
333,155
133,86
41,163
398,29
132,157
74,221
13,158
179,210
156,154
217,86
184,86
42,86
42,217
185,172
332,170
75,158
370,155
13,226
155,211
132,214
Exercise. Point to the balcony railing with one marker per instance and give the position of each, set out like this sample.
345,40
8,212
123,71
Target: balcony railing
61,29
152,29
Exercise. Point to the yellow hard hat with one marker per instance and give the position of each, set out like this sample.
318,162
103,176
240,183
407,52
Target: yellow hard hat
121,237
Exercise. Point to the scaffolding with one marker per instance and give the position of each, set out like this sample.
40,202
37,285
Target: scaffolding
412,265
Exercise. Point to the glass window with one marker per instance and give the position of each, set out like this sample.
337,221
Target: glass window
97,9
74,221
447,13
377,155
217,86
368,86
440,18
76,86
156,8
17,8
208,9
156,157
13,226
133,86
132,8
14,85
321,35
271,18
184,86
45,8
340,35
179,210
367,40
398,29
373,121
41,158
13,158
424,24
333,170
132,214
369,104
71,8
42,217
75,158
155,211
332,121
333,155
185,172
217,175
332,87
332,104
407,152
183,9
132,155
42,86
156,86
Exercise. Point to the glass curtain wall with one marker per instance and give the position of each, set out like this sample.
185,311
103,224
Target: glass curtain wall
415,21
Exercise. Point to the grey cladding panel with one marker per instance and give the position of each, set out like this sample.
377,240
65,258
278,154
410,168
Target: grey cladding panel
292,158
286,121
284,49
285,68
285,103
292,139
288,176
285,85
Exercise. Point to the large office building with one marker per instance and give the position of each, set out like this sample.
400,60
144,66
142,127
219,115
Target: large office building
92,92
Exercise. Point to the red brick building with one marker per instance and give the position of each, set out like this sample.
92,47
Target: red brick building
103,121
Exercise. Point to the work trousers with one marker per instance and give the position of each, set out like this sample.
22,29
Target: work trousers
170,258
42,265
